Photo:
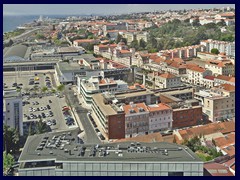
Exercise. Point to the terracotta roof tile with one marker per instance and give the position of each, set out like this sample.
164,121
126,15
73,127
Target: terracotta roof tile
158,107
223,127
136,107
216,169
227,87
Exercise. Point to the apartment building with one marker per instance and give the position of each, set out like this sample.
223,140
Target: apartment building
160,117
97,84
85,42
218,103
221,79
136,119
12,109
110,116
195,74
221,67
222,46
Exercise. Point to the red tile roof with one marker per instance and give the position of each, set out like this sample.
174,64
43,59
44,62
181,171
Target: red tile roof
209,77
158,107
223,127
227,87
167,75
226,78
216,169
136,107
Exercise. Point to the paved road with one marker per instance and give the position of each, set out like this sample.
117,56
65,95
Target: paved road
90,134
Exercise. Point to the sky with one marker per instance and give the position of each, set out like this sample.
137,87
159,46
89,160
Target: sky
103,9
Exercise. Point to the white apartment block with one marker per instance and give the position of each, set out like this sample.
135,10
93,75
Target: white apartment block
222,46
221,67
196,74
13,112
218,103
160,117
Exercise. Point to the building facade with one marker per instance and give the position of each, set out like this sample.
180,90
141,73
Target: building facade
13,112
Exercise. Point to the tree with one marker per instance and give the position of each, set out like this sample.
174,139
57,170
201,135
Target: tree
60,87
119,38
134,44
215,51
44,89
142,43
41,127
53,90
10,139
221,23
8,161
30,129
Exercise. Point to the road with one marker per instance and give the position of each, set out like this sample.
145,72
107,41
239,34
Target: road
24,35
90,134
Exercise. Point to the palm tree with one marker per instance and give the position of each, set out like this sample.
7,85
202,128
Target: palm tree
41,127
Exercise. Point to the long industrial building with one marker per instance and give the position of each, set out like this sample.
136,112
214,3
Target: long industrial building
61,154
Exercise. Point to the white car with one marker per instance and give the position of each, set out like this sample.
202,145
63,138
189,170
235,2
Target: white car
49,123
47,115
30,110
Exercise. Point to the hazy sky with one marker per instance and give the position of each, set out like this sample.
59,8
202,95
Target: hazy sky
65,9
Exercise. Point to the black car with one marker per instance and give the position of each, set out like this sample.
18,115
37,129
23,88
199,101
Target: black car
48,107
102,137
97,130
50,101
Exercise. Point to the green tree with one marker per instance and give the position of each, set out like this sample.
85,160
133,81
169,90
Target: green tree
60,87
30,129
215,51
8,161
44,89
221,23
41,127
119,38
10,139
134,44
53,90
142,44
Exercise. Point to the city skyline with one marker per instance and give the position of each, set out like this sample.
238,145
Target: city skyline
88,9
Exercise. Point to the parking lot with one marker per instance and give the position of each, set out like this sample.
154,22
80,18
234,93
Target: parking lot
28,81
49,107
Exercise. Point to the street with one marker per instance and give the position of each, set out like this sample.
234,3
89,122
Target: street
90,134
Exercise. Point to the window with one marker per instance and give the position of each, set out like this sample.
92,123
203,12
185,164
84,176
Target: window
175,173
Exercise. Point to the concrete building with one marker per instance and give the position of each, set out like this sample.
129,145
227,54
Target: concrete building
165,80
69,158
97,84
160,117
221,79
221,67
218,103
109,116
85,42
222,46
12,110
195,75
136,119
138,96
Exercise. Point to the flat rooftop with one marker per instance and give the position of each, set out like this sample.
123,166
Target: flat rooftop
105,108
71,67
64,146
134,94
